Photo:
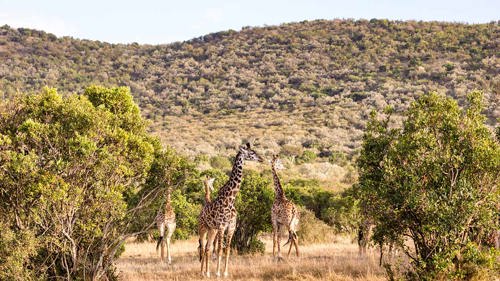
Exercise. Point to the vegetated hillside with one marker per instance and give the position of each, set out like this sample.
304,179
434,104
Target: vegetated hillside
298,86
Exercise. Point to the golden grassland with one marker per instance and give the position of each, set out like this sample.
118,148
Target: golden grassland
338,260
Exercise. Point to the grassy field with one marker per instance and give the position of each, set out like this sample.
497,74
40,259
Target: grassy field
335,261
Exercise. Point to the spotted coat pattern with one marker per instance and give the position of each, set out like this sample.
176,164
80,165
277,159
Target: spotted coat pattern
219,216
283,214
165,222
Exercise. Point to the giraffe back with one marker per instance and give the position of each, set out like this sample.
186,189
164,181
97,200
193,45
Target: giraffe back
285,213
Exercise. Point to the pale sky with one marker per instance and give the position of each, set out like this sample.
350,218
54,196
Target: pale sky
155,21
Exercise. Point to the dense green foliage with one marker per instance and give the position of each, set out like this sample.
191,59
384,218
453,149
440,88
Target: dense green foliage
338,209
303,68
434,181
253,204
75,176
170,170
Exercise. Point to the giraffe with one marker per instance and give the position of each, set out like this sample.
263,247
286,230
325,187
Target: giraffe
365,230
165,221
219,215
208,183
283,213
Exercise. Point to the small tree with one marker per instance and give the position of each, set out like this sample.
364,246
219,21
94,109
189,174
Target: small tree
253,204
168,170
435,181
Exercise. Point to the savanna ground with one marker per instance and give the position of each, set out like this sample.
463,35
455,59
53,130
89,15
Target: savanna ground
338,260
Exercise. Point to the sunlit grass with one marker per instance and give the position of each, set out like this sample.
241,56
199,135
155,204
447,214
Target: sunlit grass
334,261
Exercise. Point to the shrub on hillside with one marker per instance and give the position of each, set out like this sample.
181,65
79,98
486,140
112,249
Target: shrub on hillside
221,163
307,156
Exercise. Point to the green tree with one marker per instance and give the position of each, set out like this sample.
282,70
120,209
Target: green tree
168,169
253,204
435,181
72,181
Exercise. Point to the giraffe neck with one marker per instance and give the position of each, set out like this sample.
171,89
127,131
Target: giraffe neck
228,192
207,192
278,189
168,201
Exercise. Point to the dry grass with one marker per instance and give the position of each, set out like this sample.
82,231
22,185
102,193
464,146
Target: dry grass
215,134
335,261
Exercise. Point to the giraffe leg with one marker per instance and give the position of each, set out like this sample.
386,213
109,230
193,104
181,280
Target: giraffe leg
218,241
278,231
275,238
202,232
227,249
171,229
291,241
296,243
169,259
210,240
162,242
162,251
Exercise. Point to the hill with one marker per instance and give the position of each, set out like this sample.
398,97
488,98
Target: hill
297,87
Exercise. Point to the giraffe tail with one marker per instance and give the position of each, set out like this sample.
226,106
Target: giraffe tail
292,235
159,242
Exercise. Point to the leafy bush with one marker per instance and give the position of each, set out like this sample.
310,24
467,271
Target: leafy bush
17,248
306,157
342,212
75,179
436,182
338,158
339,210
253,204
220,162
312,230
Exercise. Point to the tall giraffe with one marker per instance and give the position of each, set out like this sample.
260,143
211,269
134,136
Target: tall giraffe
219,215
165,221
283,213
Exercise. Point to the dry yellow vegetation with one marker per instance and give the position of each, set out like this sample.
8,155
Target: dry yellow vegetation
213,134
338,260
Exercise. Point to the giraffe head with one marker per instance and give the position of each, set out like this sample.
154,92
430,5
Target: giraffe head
209,182
276,163
249,154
